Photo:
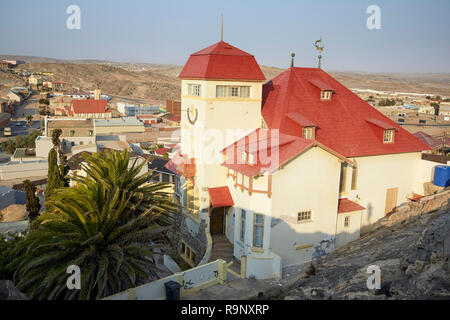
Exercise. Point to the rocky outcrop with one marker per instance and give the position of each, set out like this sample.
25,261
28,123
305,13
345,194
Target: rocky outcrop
9,292
411,247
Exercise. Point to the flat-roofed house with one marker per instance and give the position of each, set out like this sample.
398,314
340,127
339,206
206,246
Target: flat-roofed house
75,132
118,125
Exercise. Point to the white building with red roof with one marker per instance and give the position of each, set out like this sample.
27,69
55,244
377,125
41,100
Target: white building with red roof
90,108
287,170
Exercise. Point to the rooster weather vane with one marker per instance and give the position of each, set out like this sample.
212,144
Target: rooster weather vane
319,49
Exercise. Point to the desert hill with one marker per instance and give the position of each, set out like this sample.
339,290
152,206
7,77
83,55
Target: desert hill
160,81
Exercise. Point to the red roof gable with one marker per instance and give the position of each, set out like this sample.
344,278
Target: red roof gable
341,121
90,106
222,61
346,205
181,164
270,150
220,197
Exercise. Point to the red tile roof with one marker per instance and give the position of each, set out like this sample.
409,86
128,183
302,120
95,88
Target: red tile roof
181,164
381,124
162,151
342,120
220,197
270,151
222,61
346,205
429,140
415,197
322,86
90,106
175,118
301,120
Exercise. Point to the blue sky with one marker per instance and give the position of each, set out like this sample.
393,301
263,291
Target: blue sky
414,35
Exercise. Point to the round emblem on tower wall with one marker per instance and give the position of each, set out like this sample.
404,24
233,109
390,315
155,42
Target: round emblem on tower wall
192,114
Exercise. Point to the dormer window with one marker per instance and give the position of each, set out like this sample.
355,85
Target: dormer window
388,136
326,94
308,132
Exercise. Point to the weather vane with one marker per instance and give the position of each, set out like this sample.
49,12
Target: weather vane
319,49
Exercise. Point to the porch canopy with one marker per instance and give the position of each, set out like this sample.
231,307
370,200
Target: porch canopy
220,197
346,205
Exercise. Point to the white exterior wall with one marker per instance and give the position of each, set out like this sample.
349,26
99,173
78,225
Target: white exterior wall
376,174
43,146
344,234
256,203
215,116
309,182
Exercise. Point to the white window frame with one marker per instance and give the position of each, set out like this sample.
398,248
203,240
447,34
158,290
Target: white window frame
258,225
308,132
388,136
232,91
326,94
304,216
347,222
194,89
242,225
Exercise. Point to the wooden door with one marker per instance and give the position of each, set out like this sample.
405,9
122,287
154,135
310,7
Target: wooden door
216,218
391,200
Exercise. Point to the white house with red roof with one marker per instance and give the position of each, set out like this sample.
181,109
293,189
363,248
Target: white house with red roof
289,169
90,108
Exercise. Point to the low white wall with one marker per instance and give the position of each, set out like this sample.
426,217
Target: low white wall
210,273
425,173
264,267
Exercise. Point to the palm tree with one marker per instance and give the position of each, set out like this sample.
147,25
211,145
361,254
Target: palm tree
104,224
117,169
30,120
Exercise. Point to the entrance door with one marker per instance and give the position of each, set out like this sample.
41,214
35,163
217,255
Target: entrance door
391,200
216,221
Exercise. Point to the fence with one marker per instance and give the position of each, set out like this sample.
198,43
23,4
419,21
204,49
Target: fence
436,158
191,281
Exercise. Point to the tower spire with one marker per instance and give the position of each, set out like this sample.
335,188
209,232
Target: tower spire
292,60
221,27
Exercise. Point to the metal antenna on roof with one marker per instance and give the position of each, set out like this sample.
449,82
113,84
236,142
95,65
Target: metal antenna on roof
221,27
319,49
292,61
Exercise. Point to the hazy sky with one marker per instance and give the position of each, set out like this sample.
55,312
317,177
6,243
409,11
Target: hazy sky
414,35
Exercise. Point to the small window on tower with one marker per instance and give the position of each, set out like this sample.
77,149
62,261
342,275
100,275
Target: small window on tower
234,91
245,92
326,94
221,91
388,136
193,89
